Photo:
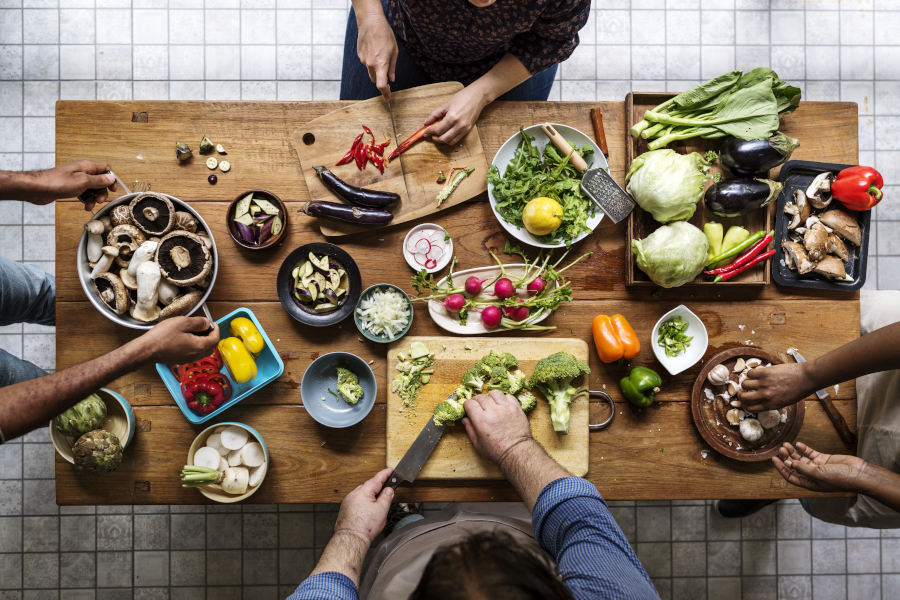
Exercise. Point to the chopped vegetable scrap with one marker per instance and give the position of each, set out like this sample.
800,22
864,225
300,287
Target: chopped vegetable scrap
441,178
384,312
457,174
183,151
256,219
348,386
320,283
203,386
405,144
362,153
671,336
415,369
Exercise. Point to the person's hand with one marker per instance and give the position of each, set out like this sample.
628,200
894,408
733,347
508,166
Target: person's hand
376,47
496,424
364,510
180,340
452,121
72,179
770,388
817,471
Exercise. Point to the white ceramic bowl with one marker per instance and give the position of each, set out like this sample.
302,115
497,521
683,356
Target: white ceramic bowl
445,257
695,351
505,155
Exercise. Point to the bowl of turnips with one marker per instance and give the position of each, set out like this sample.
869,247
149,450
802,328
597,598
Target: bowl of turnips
226,462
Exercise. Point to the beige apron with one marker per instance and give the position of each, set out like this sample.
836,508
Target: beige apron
394,570
878,424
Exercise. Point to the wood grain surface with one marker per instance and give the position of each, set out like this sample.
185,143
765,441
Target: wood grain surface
454,457
644,455
413,175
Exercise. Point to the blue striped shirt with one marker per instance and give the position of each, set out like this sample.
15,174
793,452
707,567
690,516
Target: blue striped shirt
572,522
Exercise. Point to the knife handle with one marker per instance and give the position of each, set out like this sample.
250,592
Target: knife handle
392,482
599,133
560,142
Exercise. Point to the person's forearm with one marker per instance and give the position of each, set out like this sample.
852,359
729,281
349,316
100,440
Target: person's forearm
881,484
24,185
529,468
365,9
30,404
344,554
502,77
873,352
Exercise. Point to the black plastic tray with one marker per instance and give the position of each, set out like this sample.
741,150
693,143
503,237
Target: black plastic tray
799,174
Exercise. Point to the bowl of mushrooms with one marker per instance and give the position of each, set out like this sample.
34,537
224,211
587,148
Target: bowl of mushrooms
145,257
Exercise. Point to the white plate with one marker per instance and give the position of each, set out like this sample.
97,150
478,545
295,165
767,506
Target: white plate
676,364
505,155
450,321
445,258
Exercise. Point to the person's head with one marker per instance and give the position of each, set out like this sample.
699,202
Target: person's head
489,566
481,3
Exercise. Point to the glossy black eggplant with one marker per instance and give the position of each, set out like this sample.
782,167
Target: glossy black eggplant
348,214
353,194
735,197
755,157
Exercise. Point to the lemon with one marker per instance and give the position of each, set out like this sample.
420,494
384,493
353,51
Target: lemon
542,216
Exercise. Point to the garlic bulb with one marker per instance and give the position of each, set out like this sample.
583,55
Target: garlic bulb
751,430
718,375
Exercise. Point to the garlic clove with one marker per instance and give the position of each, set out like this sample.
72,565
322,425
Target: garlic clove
739,365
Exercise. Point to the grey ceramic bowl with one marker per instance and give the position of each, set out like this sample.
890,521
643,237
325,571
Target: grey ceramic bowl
321,375
84,271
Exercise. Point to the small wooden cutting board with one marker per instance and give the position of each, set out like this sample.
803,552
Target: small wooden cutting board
413,175
454,457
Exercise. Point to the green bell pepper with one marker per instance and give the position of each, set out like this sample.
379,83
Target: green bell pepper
640,385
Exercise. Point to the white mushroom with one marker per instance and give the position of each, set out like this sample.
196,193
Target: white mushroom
147,308
819,191
751,430
144,253
94,230
718,375
769,418
106,260
168,292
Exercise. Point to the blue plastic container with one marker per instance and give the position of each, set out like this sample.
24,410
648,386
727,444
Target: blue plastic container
269,367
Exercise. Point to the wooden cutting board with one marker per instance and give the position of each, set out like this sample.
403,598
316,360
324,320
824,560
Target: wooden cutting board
413,175
454,457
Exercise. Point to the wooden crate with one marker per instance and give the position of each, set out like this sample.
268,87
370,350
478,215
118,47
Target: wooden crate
641,224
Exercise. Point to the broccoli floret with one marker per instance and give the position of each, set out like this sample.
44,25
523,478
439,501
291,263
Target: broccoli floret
553,376
517,380
475,379
449,412
348,385
508,361
527,400
463,393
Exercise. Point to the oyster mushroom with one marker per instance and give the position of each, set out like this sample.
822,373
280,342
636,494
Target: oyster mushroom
751,430
185,221
837,247
126,238
168,292
831,267
815,240
181,305
109,254
183,258
819,191
153,213
144,253
120,215
94,230
842,223
796,258
112,292
147,308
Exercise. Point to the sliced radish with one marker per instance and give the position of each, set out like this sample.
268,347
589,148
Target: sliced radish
252,455
423,246
234,458
223,463
215,441
234,438
207,457
436,253
430,263
256,474
420,259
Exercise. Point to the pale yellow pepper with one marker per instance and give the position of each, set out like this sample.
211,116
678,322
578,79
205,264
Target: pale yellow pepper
244,328
238,360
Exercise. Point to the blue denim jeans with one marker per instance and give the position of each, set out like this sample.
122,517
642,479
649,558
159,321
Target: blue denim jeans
27,295
356,85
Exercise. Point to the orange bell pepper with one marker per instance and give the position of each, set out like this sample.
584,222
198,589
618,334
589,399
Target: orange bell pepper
614,338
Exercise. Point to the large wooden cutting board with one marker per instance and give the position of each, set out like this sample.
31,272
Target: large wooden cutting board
413,176
454,457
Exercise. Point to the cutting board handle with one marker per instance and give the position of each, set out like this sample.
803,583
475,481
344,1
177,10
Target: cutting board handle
612,410
560,142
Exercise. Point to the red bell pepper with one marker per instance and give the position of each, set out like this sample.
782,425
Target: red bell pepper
858,188
203,395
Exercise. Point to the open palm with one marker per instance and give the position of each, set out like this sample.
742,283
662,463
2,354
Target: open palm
817,471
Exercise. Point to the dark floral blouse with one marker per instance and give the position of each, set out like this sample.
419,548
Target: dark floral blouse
452,40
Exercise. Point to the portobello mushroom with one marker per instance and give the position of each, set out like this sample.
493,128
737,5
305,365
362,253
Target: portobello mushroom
837,247
112,291
183,258
831,267
185,221
153,213
127,239
181,305
842,223
795,257
120,215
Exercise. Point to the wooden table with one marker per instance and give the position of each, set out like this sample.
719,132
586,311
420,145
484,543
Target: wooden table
655,455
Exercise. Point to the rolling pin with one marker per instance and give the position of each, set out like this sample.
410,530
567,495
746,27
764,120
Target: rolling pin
560,142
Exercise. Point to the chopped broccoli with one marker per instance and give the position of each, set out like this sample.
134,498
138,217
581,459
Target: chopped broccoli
553,377
508,361
474,378
348,385
450,411
415,370
527,400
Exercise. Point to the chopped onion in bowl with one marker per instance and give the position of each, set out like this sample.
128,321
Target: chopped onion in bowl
384,312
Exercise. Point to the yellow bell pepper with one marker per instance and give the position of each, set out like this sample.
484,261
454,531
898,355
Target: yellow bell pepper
238,360
244,328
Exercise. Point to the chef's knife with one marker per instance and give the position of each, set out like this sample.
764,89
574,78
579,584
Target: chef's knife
417,455
396,139
837,419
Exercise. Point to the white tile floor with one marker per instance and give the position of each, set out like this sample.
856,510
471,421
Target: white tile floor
291,50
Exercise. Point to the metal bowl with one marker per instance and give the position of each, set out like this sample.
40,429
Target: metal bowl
84,271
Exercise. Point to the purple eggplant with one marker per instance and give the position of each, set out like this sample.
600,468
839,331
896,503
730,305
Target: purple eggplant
353,194
751,157
265,231
247,233
735,197
348,214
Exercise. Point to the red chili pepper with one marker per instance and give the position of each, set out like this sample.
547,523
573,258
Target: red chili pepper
743,258
761,258
360,157
858,188
204,396
405,144
351,153
369,131
376,160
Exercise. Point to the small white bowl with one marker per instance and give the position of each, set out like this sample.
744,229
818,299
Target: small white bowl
442,262
695,351
216,494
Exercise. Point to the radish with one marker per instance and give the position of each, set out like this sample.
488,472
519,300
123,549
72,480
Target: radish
490,316
536,286
223,463
235,480
516,313
234,438
207,457
454,302
474,285
504,288
215,441
256,474
252,455
234,458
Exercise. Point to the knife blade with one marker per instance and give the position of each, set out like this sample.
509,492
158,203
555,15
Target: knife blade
396,139
837,419
417,455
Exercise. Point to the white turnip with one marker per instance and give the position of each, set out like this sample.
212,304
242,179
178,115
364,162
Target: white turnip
252,455
215,441
234,437
256,474
235,480
207,457
234,458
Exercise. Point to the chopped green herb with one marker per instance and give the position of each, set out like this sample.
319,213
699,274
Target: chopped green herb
672,337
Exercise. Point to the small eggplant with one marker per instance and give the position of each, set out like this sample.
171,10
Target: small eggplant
247,233
353,194
755,157
736,197
349,214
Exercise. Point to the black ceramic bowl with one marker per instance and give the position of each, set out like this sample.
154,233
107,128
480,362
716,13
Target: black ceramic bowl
299,311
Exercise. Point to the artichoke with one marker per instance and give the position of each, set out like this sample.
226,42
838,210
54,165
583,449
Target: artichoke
99,451
85,416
